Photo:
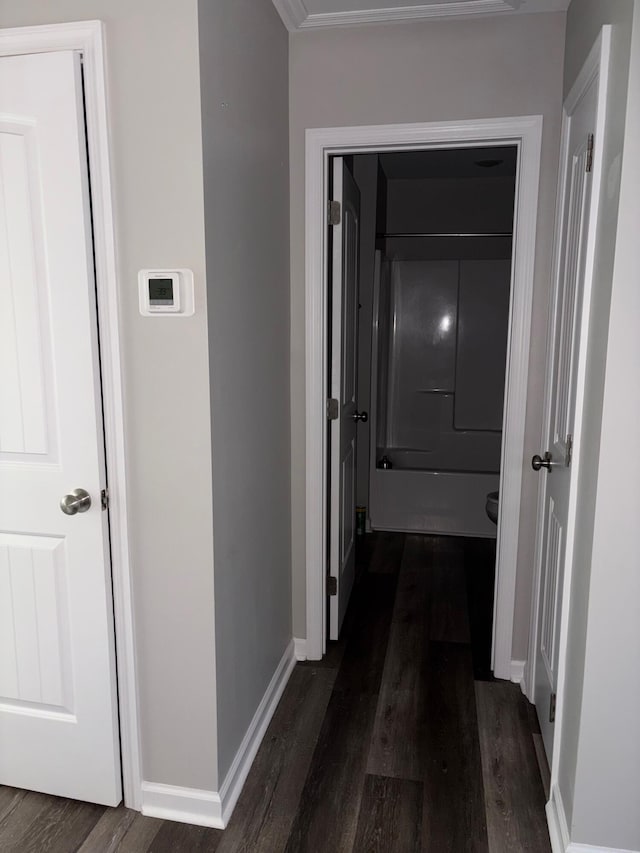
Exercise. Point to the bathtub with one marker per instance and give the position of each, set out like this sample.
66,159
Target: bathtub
427,501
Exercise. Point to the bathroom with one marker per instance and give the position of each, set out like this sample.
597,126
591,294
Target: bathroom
434,302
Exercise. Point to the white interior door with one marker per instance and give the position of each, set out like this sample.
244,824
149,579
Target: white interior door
58,715
571,250
344,366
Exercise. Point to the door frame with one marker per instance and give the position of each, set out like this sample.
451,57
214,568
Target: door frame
88,38
596,67
321,143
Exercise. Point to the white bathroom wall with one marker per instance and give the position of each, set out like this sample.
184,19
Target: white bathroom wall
449,204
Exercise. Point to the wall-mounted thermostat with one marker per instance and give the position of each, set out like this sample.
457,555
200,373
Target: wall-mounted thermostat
166,292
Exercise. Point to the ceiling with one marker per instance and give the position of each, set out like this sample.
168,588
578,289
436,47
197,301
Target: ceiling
304,14
451,163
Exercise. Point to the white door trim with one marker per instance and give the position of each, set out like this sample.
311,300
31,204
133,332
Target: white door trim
321,143
596,67
87,37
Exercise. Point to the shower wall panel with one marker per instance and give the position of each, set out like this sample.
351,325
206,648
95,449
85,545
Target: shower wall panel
423,351
441,363
483,324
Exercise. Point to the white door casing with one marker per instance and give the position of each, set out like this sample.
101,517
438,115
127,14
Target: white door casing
321,145
58,705
579,188
344,366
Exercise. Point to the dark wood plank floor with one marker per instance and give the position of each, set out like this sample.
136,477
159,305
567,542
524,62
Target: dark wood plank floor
399,741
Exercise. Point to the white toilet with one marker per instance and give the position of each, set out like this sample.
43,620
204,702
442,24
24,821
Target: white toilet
492,506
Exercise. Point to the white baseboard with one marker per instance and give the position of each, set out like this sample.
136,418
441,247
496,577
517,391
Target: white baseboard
559,830
517,673
300,646
574,847
213,808
241,764
187,805
557,822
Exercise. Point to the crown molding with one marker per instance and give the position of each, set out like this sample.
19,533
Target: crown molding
405,13
296,16
292,12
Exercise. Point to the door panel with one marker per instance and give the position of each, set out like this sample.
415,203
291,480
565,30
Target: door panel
58,714
578,196
347,503
35,665
344,366
24,425
560,412
349,299
549,621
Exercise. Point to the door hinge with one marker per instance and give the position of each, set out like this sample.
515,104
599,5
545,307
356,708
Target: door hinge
333,409
552,708
589,164
332,585
333,212
104,498
569,451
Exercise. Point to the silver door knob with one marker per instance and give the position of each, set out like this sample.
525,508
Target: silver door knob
538,462
78,501
360,416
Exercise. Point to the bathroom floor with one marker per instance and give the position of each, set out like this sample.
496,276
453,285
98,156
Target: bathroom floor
399,741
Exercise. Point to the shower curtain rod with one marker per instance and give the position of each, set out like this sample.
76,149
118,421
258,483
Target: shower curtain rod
447,234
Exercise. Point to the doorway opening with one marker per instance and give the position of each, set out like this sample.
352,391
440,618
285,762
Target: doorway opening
420,261
521,138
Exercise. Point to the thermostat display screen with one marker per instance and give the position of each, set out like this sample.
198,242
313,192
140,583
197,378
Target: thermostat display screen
165,292
161,291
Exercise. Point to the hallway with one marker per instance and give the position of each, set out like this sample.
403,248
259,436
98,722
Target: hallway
397,742
419,750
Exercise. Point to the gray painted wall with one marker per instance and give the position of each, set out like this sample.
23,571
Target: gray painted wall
157,170
415,72
244,77
599,759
